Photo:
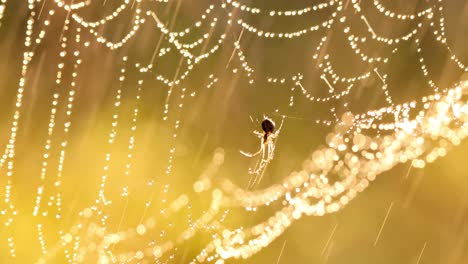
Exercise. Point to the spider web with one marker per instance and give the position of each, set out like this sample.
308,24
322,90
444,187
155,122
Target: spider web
125,111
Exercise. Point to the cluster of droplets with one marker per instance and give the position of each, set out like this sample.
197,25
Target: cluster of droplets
350,153
42,206
131,145
102,200
326,66
388,13
297,12
132,140
8,211
356,158
439,33
72,6
102,21
287,35
184,48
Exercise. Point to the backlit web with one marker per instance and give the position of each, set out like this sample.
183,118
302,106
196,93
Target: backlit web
122,120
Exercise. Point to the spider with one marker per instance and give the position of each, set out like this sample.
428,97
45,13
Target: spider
267,149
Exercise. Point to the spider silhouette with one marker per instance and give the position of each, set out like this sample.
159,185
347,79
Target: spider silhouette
267,149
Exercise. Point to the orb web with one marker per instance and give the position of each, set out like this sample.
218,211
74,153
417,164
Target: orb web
131,209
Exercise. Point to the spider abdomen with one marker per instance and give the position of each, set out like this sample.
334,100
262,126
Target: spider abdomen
268,126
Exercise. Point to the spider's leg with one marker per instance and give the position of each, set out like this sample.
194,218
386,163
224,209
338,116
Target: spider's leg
263,151
259,134
249,185
271,150
253,181
281,125
263,164
260,175
250,155
255,170
274,135
260,172
259,165
255,174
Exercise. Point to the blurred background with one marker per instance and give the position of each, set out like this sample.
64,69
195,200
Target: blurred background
426,210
